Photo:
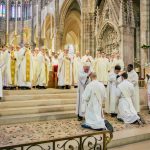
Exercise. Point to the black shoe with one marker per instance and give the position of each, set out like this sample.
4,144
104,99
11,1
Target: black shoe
75,86
68,87
80,118
113,115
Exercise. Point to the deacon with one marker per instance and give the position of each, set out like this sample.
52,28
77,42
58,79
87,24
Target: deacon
92,101
134,79
83,81
147,82
65,70
111,102
102,69
76,66
125,93
25,68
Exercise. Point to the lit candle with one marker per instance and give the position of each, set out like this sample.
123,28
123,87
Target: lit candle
16,18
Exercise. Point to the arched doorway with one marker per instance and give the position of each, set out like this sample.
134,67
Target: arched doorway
71,29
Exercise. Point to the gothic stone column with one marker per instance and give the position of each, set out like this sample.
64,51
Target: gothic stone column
144,31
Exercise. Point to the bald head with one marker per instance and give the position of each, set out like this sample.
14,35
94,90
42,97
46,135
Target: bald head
93,76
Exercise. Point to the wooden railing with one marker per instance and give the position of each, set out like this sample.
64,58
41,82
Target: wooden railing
93,141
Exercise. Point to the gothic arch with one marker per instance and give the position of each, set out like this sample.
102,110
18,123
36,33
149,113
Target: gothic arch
64,11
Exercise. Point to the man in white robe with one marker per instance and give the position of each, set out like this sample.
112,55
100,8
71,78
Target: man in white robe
119,61
83,80
1,81
35,66
92,100
88,58
64,70
125,93
10,72
43,69
134,79
25,68
102,69
111,102
76,66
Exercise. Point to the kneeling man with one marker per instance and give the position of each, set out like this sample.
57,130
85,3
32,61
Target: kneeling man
92,100
125,93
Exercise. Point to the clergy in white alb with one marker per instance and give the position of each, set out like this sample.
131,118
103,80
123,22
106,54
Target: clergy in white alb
43,69
147,82
88,58
1,81
25,68
111,102
10,72
118,61
65,70
134,79
125,94
76,66
83,80
92,101
102,68
35,66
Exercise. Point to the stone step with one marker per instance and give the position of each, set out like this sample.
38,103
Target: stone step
39,96
36,117
32,103
36,109
35,91
129,136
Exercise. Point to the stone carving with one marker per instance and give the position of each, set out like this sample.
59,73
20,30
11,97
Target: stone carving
108,40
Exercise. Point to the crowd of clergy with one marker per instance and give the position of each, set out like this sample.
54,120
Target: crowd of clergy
98,79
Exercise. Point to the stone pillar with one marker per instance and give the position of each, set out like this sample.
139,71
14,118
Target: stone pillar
22,21
144,32
40,27
56,27
126,25
32,25
92,34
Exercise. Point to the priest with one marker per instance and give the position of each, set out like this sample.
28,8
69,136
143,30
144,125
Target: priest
134,79
1,81
43,69
11,68
126,109
92,101
25,68
111,102
102,68
64,70
88,58
83,80
76,66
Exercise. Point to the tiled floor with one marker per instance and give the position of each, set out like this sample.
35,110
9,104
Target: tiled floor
43,131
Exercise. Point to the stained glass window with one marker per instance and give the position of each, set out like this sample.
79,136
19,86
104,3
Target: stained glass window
19,10
2,9
12,10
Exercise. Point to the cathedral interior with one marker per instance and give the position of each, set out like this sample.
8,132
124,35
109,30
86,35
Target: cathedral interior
106,25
